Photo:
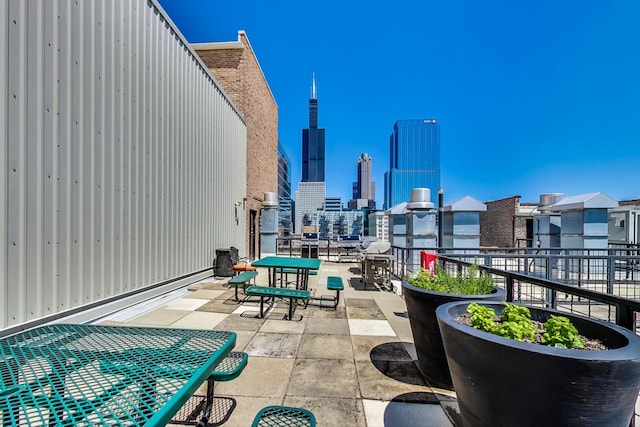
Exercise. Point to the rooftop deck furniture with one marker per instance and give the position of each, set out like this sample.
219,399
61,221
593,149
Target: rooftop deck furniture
85,375
243,266
274,416
272,292
242,279
334,283
229,369
277,265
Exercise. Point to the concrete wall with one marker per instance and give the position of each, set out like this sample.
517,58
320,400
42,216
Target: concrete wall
120,156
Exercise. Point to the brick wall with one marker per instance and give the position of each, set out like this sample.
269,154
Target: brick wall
497,222
238,72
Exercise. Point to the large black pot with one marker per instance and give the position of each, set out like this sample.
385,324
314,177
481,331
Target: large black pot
503,382
421,307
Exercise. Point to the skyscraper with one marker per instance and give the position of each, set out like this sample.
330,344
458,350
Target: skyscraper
364,187
414,160
313,143
285,204
364,190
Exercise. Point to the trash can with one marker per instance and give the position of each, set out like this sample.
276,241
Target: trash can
224,264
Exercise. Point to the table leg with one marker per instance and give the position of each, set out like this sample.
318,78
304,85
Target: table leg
292,308
204,421
261,306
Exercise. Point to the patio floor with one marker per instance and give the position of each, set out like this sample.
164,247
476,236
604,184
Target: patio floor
353,366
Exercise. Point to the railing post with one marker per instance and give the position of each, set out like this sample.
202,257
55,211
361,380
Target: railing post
509,288
625,317
612,274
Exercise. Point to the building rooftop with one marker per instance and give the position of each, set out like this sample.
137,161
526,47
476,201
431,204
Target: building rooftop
353,366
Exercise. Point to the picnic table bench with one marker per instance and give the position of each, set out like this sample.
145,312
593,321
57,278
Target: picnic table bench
274,416
229,369
334,283
242,279
271,292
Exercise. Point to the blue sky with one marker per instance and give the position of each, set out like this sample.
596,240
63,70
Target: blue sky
532,97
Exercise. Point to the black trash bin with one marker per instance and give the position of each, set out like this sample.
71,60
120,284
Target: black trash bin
224,264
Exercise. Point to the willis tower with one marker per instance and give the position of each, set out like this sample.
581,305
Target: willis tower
313,143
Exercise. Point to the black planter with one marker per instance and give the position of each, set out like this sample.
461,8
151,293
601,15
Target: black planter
503,382
421,307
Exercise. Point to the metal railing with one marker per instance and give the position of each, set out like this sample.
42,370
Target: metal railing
329,250
603,284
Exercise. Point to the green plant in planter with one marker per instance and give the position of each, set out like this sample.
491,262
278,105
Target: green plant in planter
561,333
470,283
515,323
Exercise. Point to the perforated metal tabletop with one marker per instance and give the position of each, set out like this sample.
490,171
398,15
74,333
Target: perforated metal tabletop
90,375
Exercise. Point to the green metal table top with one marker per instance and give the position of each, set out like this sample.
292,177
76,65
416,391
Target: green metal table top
88,375
287,262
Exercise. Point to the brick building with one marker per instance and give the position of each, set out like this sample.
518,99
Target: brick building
507,223
236,68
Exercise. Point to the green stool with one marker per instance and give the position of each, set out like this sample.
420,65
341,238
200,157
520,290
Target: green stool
284,416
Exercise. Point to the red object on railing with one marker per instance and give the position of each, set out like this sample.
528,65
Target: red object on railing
428,261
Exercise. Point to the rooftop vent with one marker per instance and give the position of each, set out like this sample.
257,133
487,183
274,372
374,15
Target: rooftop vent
270,200
547,200
420,199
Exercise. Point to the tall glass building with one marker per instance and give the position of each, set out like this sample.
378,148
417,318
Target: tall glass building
285,204
414,160
313,143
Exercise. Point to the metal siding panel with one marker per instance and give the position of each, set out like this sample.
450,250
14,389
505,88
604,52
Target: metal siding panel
16,41
120,76
50,140
34,177
99,114
5,302
110,61
76,156
65,120
85,289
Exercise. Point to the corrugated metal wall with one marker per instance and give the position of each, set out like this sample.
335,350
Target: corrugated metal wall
121,157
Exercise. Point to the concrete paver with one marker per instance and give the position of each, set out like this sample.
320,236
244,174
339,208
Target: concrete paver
351,366
324,378
274,345
315,346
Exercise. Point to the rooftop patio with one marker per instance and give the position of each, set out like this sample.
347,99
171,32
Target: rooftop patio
351,366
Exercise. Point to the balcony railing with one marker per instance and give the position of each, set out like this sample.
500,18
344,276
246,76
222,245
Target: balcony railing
603,284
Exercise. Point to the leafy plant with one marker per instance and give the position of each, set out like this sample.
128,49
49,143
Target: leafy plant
561,333
470,283
515,323
482,317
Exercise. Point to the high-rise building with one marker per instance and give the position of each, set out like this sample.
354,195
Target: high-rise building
312,189
309,198
313,143
364,187
414,160
285,204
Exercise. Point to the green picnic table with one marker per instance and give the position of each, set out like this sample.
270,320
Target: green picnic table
277,265
87,375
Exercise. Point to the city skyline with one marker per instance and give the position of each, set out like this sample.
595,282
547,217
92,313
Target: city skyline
532,99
